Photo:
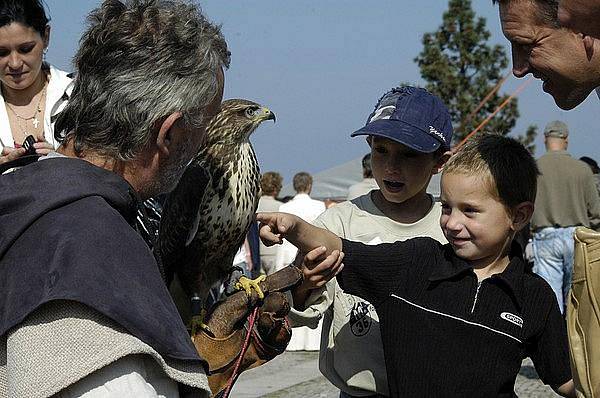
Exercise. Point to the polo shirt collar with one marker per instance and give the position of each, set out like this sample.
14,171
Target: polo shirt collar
450,268
512,276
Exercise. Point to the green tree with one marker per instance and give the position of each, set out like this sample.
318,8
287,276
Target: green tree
461,68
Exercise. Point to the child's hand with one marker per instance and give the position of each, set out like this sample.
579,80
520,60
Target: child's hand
318,269
274,226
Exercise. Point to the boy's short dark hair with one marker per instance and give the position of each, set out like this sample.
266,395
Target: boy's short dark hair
511,170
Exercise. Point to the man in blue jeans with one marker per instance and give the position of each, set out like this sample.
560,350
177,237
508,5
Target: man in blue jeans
566,198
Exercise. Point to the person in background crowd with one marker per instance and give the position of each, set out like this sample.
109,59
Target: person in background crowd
405,153
568,66
85,311
367,184
33,91
270,183
566,197
303,206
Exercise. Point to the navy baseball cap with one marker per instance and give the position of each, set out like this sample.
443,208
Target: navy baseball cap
411,116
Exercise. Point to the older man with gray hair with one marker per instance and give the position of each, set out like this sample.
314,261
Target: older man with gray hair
85,312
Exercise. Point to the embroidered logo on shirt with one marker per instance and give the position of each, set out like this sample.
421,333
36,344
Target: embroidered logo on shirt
360,319
512,318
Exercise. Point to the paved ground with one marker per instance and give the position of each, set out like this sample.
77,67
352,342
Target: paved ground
296,375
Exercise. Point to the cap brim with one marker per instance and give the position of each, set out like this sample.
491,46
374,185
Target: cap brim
401,132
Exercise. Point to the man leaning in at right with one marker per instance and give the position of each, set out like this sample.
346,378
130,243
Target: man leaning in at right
566,198
567,63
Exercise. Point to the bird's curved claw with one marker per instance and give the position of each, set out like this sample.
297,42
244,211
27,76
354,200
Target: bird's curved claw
247,285
197,325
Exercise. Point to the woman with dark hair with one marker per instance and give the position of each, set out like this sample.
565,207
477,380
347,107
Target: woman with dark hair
32,91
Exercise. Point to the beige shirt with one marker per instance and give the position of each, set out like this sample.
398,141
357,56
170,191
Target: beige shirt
268,254
351,354
362,188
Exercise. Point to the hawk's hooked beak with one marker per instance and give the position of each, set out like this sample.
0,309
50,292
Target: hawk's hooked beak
266,114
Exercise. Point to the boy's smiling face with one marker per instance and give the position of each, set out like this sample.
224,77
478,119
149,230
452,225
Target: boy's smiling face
475,222
400,172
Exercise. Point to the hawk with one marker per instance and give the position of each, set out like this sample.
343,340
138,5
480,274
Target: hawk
206,217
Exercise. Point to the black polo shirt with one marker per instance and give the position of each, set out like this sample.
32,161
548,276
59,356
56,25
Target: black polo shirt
446,335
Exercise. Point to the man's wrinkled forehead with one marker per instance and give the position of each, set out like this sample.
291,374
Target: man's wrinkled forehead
520,14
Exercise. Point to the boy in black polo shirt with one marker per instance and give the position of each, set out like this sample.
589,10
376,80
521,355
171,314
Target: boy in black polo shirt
457,319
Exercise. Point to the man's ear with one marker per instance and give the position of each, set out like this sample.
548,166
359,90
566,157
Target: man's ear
521,215
164,139
588,44
441,161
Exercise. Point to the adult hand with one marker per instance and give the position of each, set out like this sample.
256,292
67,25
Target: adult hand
9,154
43,148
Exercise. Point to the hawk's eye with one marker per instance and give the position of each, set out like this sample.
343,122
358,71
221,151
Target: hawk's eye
250,112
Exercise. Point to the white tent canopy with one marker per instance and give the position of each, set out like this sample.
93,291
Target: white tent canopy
333,183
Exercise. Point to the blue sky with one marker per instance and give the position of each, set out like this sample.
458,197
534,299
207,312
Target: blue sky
321,65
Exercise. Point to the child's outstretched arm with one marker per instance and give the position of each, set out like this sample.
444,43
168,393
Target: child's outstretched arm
306,237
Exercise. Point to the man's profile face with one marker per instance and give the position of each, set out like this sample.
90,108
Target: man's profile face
187,147
554,55
581,16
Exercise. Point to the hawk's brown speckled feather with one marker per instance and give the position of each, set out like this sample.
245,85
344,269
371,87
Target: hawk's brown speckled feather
206,218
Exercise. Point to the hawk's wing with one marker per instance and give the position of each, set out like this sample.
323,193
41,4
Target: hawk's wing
180,217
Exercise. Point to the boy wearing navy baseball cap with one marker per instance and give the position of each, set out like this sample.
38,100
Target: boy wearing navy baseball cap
409,133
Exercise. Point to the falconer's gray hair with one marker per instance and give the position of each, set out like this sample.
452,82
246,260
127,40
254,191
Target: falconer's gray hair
138,62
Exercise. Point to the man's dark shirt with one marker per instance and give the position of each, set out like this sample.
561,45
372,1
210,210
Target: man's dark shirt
66,234
446,335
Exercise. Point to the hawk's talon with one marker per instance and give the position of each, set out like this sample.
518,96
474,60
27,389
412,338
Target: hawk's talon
247,285
197,325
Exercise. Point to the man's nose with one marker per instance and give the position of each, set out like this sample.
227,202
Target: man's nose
521,65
